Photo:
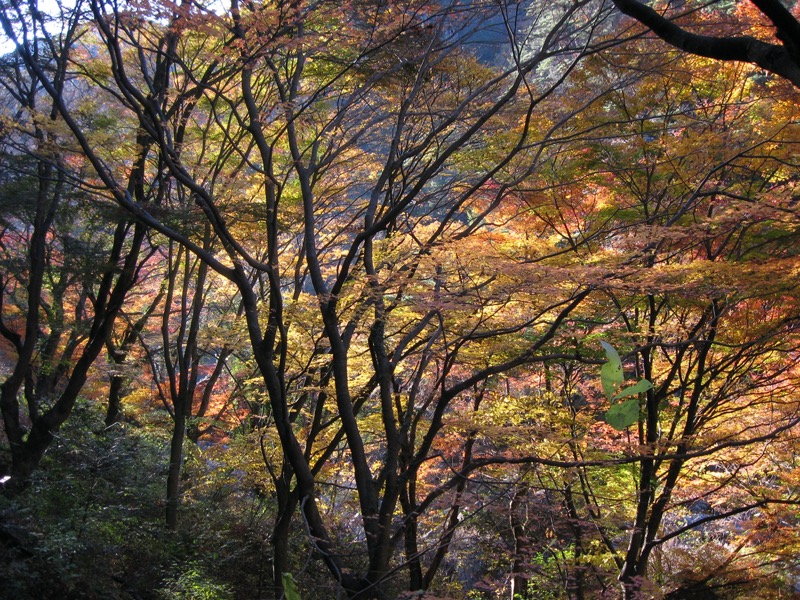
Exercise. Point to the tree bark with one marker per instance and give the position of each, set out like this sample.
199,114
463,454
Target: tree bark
174,471
781,59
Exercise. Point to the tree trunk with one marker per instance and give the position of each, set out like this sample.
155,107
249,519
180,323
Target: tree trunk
174,474
114,409
287,499
519,581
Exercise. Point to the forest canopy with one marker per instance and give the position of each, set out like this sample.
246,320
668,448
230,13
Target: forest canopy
383,299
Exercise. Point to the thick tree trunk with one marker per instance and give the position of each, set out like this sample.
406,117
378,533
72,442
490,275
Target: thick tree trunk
114,408
175,466
281,531
412,554
631,582
25,458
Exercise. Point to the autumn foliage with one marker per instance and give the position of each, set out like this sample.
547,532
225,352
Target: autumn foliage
397,300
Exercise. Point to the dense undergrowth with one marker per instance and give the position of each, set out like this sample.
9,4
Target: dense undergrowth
91,523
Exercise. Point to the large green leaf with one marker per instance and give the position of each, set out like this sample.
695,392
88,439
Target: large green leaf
611,372
624,414
632,390
290,587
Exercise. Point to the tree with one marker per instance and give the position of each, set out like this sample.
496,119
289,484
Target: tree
189,366
119,346
692,236
427,248
56,311
296,104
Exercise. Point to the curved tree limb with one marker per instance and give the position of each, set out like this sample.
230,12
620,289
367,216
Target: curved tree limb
781,59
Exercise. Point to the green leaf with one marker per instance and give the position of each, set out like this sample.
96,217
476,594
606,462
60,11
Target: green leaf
624,414
638,388
289,587
611,372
